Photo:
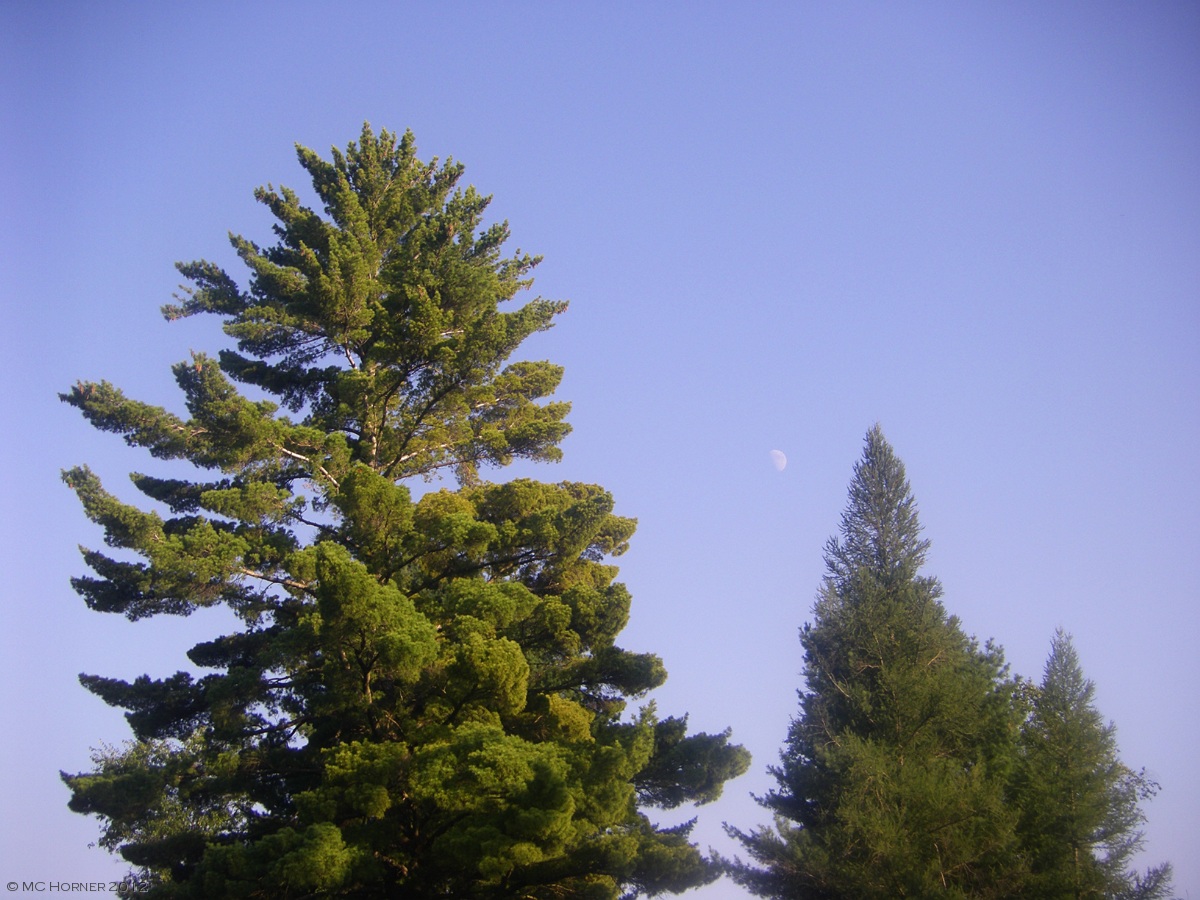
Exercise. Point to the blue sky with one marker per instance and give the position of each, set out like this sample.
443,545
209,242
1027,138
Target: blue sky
978,224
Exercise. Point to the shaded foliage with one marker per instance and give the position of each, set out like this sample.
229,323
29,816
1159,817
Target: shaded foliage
1080,805
887,784
916,767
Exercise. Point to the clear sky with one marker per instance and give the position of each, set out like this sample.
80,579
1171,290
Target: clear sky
976,223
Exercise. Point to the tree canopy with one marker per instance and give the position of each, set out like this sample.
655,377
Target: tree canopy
890,783
424,695
1080,805
916,767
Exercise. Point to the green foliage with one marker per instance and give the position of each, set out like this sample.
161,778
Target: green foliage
892,781
1080,805
916,767
425,696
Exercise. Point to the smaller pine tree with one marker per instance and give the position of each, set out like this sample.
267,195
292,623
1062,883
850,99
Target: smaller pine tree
892,779
1080,805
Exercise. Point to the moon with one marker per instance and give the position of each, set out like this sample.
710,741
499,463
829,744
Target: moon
778,460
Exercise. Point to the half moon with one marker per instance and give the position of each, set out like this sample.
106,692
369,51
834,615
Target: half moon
778,460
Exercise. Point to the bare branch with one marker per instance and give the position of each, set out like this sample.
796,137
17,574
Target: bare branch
282,582
294,455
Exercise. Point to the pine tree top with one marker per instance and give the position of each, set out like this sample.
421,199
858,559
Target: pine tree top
380,317
880,530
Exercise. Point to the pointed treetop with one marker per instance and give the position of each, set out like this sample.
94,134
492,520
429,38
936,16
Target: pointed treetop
879,530
1081,805
1063,683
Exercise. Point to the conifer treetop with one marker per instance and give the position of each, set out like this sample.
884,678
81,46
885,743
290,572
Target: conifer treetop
891,782
380,318
1081,804
880,530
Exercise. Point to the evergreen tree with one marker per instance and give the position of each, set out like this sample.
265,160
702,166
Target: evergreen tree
1079,803
892,779
423,696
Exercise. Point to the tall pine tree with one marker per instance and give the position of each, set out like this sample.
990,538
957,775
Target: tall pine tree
1080,805
892,779
424,696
